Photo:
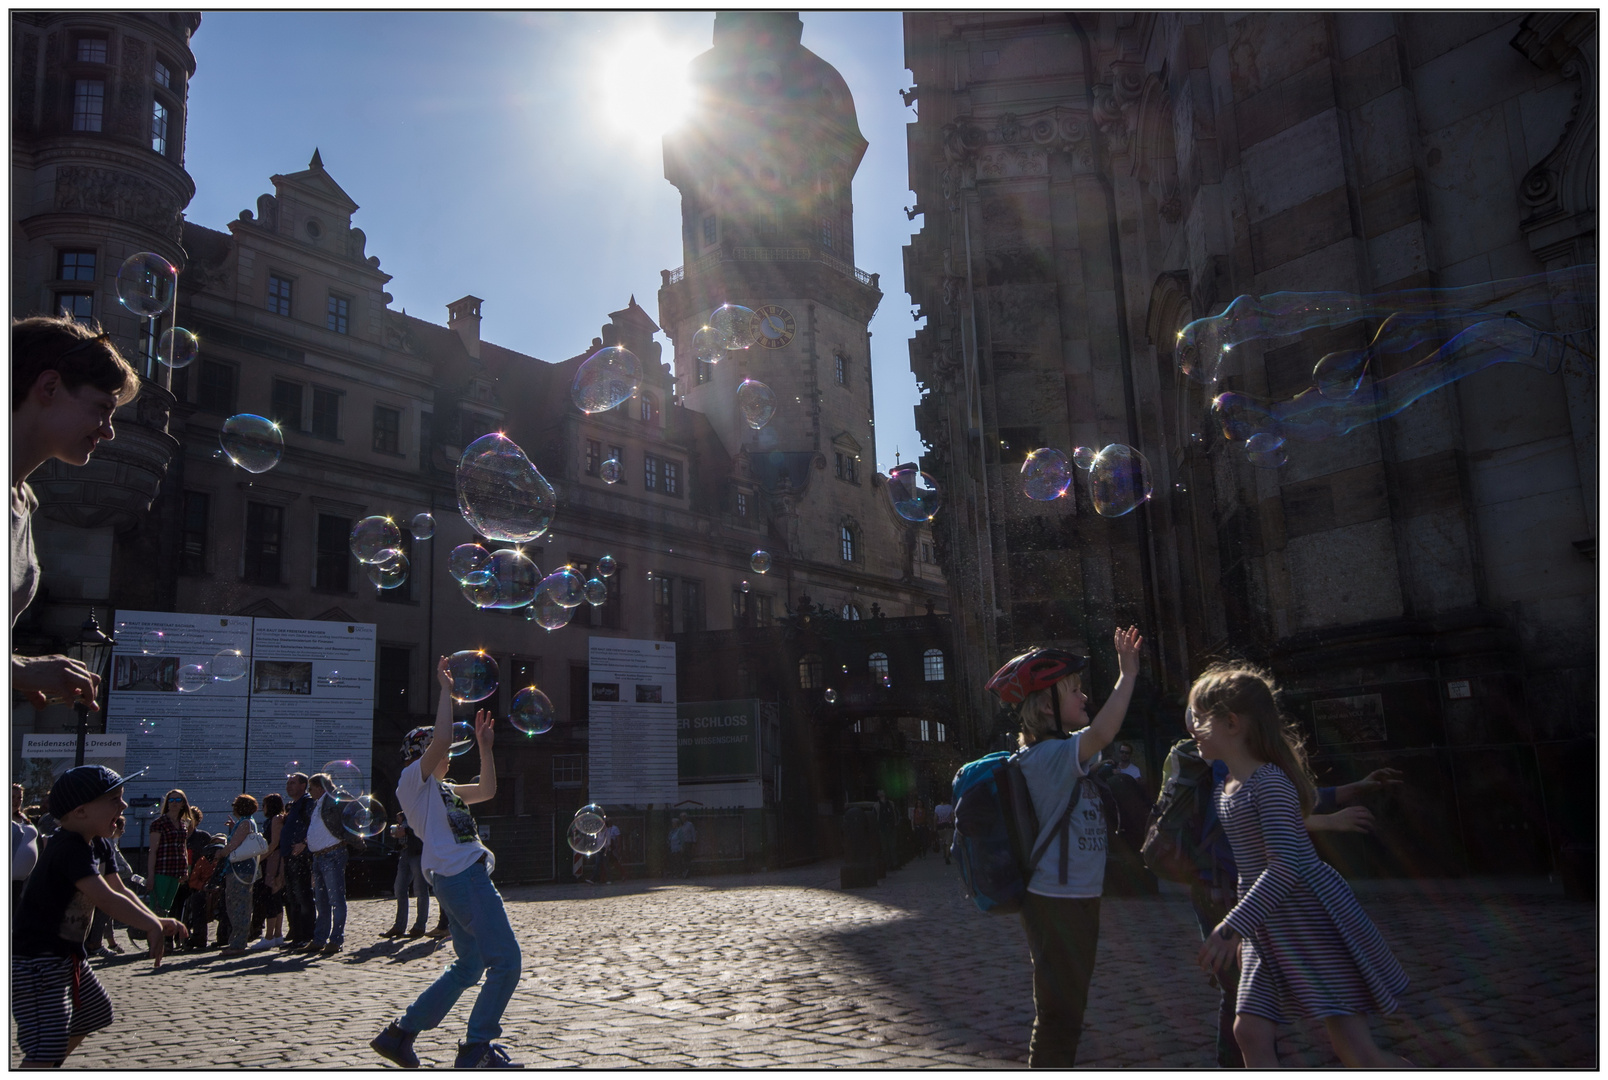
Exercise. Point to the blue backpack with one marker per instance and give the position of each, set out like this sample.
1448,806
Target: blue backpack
995,826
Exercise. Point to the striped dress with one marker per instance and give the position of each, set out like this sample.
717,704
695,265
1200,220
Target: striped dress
1309,950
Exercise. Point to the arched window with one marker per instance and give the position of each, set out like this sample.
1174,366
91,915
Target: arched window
879,667
846,536
932,666
851,612
811,672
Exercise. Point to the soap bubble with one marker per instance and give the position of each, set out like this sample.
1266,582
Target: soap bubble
595,592
1083,458
1119,481
1240,417
564,587
735,326
177,347
531,712
501,494
831,697
145,284
547,614
914,493
364,817
611,471
467,564
590,819
510,580
744,585
607,378
374,539
193,677
706,345
1338,375
153,643
583,843
229,665
1046,474
294,766
346,779
463,737
1266,450
422,526
757,403
760,562
252,442
474,675
606,566
390,570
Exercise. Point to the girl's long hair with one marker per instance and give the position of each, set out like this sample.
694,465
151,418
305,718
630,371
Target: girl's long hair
1251,694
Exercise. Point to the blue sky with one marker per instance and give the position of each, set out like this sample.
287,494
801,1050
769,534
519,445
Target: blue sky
516,156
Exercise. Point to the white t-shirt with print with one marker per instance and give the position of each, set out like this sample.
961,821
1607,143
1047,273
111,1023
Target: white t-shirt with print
442,822
1051,768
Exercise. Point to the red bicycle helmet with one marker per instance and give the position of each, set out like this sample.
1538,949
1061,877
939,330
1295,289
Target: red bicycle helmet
1036,669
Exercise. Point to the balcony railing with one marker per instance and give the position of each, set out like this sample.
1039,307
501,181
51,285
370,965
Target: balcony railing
779,254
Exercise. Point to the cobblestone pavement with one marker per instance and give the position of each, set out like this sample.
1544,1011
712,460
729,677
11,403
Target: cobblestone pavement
787,969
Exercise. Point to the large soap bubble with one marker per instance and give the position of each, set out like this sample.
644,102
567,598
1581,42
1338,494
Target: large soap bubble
177,347
605,566
501,494
363,817
1266,450
565,587
252,442
474,675
757,402
145,284
606,379
531,712
583,843
706,345
346,779
374,539
422,526
467,564
1240,417
1119,481
510,581
590,819
390,570
736,327
914,493
1046,474
229,665
760,562
547,614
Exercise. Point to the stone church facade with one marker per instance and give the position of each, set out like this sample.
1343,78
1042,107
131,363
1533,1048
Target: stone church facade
1425,587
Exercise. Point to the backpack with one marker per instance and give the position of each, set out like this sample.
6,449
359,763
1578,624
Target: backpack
1173,846
1127,807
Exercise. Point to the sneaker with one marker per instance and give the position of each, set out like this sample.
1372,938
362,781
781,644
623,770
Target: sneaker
483,1056
265,943
394,1044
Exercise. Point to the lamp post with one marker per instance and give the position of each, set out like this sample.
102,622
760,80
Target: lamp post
93,649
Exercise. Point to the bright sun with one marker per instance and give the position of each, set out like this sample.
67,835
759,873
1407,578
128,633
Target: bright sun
642,89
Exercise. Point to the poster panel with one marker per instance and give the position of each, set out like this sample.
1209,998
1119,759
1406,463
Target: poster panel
632,714
46,757
312,699
717,740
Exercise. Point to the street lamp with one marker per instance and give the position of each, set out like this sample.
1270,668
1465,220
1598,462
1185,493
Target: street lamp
93,649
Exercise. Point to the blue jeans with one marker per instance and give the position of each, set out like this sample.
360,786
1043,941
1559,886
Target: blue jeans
408,870
329,896
485,945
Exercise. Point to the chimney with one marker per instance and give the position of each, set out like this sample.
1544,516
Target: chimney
463,318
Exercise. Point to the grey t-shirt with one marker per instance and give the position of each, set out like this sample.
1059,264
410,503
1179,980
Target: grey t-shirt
24,560
1051,768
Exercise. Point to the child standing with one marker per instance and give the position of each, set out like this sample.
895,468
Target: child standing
55,997
1306,947
459,866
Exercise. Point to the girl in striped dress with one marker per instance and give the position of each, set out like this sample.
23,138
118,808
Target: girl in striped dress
1306,947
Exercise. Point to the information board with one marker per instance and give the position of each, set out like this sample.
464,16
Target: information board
632,714
717,740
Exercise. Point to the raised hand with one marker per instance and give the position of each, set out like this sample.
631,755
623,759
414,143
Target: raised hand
444,674
485,728
1128,643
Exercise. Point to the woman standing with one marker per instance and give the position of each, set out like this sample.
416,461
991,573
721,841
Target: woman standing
169,863
239,879
269,892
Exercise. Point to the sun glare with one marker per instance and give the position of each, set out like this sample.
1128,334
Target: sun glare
643,89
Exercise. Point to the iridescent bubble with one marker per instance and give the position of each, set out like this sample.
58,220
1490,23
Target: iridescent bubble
564,587
590,819
735,326
153,643
531,712
252,442
1338,375
595,592
294,766
1119,481
1240,417
757,402
474,675
1181,488
914,493
374,538
363,817
229,665
611,471
831,697
145,284
463,737
606,566
706,345
744,585
467,564
548,615
1083,458
193,677
606,379
510,581
390,570
422,526
177,347
1266,450
501,494
760,562
1046,474
346,779
583,843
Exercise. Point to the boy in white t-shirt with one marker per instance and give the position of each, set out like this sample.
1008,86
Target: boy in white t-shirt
459,867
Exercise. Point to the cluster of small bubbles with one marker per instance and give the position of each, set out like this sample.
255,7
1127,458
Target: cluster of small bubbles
374,539
914,493
510,580
744,585
531,712
590,819
467,564
606,566
252,442
145,284
611,471
390,570
474,675
346,779
549,615
583,843
193,677
1046,474
153,643
706,345
606,379
736,327
757,402
595,592
1083,458
463,737
1119,480
1266,450
831,697
177,347
760,562
363,817
501,494
229,665
422,526
564,587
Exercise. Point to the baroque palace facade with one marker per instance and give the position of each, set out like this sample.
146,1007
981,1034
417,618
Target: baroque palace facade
1424,587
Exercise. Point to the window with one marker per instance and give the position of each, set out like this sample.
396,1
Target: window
163,76
940,726
91,50
332,566
762,610
580,694
706,371
566,770
739,608
89,104
844,468
932,666
594,457
149,342
926,730
826,232
742,504
264,525
840,368
75,265
811,672
709,228
286,409
215,389
426,440
663,589
391,679
650,473
648,410
473,425
672,478
926,551
326,413
879,666
618,454
338,311
193,540
159,127
79,305
846,539
851,612
387,430
692,607
278,295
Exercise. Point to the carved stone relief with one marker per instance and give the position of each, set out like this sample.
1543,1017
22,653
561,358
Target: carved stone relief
92,190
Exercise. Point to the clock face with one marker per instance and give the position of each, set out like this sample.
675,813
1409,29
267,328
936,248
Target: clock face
776,326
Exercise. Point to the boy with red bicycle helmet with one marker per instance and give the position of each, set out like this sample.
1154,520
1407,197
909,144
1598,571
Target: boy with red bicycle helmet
1061,911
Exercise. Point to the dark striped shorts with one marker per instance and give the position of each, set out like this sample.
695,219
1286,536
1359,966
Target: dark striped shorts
52,999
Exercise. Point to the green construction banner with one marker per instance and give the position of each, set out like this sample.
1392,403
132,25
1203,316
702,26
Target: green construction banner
717,740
